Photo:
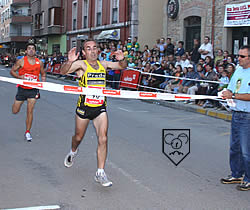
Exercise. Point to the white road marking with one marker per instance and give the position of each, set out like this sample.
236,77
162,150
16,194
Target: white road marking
36,208
129,176
126,110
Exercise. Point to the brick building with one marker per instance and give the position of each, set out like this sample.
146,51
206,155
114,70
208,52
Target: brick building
15,28
109,19
188,19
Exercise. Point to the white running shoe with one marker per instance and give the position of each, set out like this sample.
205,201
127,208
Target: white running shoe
28,137
68,161
103,179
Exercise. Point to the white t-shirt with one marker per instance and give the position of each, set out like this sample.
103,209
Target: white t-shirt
207,47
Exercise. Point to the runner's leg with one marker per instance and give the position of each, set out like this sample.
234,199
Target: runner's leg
80,130
101,126
16,106
30,107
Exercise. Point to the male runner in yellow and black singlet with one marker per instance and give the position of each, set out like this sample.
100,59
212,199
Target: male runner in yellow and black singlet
92,74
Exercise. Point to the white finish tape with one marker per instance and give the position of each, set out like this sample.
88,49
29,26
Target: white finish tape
104,92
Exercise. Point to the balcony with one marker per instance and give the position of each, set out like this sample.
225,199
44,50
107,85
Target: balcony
21,19
54,29
20,38
20,2
23,34
55,3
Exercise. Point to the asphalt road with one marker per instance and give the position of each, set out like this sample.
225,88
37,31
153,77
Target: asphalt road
33,174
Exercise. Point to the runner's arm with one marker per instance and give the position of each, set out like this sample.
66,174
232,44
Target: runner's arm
121,64
43,74
71,65
15,68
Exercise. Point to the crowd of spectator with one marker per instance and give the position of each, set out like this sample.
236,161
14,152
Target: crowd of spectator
165,59
170,59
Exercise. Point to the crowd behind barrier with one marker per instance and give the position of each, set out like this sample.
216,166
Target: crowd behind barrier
167,67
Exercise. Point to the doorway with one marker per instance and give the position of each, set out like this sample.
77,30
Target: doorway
240,37
192,25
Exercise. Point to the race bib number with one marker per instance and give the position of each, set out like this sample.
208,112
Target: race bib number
94,100
30,77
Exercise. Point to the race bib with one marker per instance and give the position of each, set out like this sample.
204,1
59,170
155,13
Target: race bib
94,99
30,77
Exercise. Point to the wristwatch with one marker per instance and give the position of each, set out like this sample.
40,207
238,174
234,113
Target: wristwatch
233,96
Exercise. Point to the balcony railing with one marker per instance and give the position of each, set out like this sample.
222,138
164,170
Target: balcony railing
20,34
54,3
20,2
21,19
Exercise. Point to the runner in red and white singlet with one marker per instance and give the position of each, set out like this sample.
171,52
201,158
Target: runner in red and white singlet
27,68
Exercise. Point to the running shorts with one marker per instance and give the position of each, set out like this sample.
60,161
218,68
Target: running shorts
86,112
24,94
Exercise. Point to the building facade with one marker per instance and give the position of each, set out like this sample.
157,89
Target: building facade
48,25
150,21
99,19
185,20
15,25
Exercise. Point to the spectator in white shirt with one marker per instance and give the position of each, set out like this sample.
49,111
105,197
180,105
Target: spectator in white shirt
184,61
206,49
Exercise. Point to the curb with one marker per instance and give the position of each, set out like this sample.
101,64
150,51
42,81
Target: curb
193,108
176,105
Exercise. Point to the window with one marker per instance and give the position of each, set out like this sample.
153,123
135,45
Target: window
55,16
99,12
74,16
73,43
19,30
115,7
42,20
37,21
56,48
85,14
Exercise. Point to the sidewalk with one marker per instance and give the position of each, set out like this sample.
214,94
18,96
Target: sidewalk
212,112
220,114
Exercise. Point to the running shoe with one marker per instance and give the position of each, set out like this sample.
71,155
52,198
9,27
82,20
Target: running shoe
28,137
244,186
103,179
68,161
231,180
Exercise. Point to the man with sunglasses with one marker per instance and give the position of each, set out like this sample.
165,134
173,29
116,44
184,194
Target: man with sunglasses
239,90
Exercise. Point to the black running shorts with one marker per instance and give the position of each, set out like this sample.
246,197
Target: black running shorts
86,112
24,94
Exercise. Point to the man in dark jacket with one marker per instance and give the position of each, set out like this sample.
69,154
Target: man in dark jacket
195,55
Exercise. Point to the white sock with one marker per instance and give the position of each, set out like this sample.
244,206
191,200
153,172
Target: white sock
100,171
73,152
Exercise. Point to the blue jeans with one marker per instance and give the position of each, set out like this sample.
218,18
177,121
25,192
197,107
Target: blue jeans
240,145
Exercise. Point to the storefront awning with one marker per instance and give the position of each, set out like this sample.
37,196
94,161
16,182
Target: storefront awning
82,37
237,15
108,35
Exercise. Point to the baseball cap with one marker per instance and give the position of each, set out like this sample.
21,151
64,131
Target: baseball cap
190,66
157,64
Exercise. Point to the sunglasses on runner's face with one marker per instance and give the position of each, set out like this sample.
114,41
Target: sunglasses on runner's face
243,56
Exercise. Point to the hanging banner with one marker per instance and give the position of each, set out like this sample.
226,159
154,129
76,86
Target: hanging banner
237,15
